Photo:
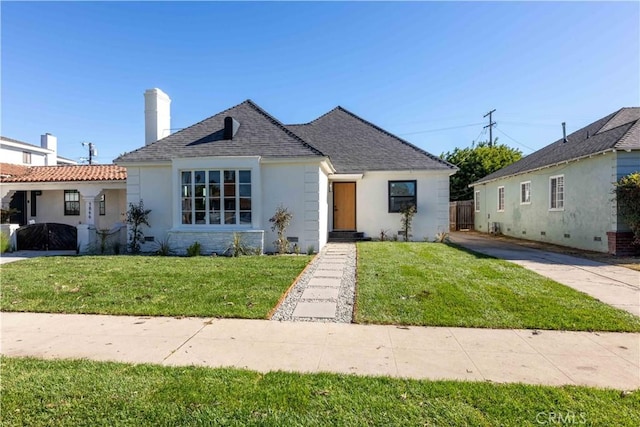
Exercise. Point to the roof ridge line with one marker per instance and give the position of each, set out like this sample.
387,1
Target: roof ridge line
386,132
613,116
627,134
281,126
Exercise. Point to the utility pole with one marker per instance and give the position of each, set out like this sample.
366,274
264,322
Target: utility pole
490,126
92,151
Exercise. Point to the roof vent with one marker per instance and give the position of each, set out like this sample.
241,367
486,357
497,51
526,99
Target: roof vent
231,127
564,132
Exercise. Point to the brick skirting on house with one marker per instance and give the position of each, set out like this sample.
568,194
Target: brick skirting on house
621,243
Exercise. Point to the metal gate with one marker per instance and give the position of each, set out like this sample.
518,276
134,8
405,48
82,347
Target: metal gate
461,215
47,237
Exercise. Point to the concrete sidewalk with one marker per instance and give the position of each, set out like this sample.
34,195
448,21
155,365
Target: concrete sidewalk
545,357
616,286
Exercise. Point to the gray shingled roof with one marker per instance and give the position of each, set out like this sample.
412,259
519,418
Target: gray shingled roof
259,135
355,145
620,130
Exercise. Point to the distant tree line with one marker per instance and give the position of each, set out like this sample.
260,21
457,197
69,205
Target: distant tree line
475,163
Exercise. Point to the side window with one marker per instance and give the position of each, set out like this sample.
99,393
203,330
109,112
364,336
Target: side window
71,202
525,193
500,199
556,192
402,194
476,201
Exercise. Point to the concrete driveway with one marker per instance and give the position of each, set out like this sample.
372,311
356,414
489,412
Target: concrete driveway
20,255
616,286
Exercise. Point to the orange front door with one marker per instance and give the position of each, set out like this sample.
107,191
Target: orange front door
344,206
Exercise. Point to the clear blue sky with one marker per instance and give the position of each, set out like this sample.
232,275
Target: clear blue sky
79,70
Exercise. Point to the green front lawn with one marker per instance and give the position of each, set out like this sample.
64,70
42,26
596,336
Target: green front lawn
245,287
69,393
438,285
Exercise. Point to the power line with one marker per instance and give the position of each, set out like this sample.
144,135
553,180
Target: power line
440,129
517,142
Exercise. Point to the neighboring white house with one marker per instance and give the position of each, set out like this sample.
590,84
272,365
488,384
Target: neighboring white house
82,198
230,172
22,153
563,193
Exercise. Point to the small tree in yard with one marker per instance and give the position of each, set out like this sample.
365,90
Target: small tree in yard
281,221
137,216
408,212
627,191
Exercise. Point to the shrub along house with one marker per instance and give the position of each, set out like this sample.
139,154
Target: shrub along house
563,193
230,172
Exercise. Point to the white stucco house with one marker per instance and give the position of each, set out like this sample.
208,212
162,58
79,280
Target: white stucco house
230,172
17,152
563,193
62,206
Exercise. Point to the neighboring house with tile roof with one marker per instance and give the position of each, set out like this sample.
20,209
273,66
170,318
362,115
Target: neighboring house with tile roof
230,172
78,199
563,193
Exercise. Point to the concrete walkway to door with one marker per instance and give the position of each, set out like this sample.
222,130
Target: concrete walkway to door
616,286
325,291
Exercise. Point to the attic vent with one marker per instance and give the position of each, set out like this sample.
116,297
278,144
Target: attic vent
231,127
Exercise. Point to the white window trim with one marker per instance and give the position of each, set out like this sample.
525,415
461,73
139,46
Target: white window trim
551,178
476,201
245,163
521,184
503,199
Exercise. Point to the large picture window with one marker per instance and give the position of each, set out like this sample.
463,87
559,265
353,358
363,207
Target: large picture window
216,197
402,194
71,202
556,192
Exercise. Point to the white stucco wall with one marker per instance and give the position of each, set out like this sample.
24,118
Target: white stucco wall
295,184
372,204
301,188
13,155
589,209
50,203
152,185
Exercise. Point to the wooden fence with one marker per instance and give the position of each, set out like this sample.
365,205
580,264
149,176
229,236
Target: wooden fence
461,215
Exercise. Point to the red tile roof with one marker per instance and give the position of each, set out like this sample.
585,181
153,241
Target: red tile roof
67,173
9,169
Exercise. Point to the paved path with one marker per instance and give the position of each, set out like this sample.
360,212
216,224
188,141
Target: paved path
325,292
546,357
20,255
616,286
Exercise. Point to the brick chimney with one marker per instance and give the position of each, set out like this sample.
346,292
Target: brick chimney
50,142
157,115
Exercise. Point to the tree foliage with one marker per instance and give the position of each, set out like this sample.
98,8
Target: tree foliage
475,163
627,191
